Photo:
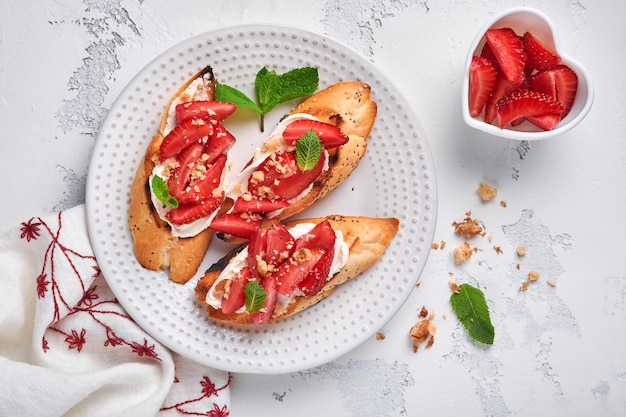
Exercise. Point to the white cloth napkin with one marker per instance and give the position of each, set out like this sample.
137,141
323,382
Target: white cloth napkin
67,348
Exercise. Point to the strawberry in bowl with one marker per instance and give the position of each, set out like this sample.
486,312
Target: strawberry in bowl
518,84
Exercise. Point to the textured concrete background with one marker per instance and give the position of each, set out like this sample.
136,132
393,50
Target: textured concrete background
559,351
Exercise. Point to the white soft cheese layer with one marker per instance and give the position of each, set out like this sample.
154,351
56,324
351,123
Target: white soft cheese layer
239,261
273,143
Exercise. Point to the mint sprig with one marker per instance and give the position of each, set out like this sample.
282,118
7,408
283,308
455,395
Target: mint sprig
308,150
471,308
255,296
162,192
272,89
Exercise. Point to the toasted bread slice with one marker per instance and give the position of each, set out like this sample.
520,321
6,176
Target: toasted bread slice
367,239
156,248
347,105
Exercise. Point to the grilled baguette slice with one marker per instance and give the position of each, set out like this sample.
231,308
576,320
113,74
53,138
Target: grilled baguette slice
155,246
367,239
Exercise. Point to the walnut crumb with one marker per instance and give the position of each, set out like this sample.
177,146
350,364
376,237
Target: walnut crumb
423,312
533,275
551,282
486,191
503,203
453,286
498,249
423,331
521,250
380,336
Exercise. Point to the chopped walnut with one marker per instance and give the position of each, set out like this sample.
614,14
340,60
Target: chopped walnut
462,253
521,251
423,312
486,191
423,331
503,203
380,336
453,286
498,249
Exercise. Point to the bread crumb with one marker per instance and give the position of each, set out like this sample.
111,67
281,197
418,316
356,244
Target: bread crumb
486,191
468,227
551,282
462,253
521,250
380,336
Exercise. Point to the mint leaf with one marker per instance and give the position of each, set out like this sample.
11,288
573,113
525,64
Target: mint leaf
230,94
162,192
255,296
296,83
308,151
266,86
470,307
272,89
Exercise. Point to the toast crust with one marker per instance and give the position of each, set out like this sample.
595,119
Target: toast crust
367,239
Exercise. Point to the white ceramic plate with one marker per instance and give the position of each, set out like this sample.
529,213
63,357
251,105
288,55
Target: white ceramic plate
395,179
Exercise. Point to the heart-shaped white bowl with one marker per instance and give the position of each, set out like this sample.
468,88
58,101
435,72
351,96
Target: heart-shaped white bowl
523,19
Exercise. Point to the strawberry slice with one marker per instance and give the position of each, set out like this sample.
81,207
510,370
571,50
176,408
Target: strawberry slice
525,103
482,80
235,297
258,205
257,244
295,184
241,225
271,299
508,49
219,143
203,109
293,271
546,121
540,57
205,185
280,244
183,135
278,166
561,82
501,89
315,281
321,236
180,177
186,213
330,135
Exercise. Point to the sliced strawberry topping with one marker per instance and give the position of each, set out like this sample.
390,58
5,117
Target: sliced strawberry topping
206,184
295,184
257,244
219,143
180,177
202,109
481,83
235,297
186,213
258,205
183,135
508,49
276,167
292,272
321,236
560,82
280,244
271,298
241,225
330,135
524,103
540,57
316,279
